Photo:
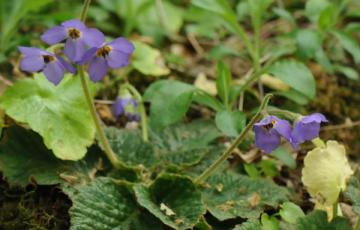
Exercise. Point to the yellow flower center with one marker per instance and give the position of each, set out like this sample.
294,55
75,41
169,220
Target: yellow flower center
74,33
103,51
269,126
48,58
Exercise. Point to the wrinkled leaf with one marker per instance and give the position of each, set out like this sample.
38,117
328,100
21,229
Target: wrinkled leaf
106,205
233,195
317,220
176,193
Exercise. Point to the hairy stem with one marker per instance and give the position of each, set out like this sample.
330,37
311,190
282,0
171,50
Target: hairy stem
212,168
142,111
100,131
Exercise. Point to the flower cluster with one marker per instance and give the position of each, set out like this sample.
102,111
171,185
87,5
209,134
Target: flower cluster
83,45
268,131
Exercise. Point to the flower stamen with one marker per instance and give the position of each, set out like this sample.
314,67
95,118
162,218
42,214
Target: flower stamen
269,126
103,51
74,33
48,58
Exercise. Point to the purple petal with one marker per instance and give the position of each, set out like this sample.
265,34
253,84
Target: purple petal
120,104
283,127
31,51
133,117
74,49
54,72
66,65
305,131
74,23
265,121
123,45
315,117
93,37
97,69
89,54
117,59
32,63
266,140
54,35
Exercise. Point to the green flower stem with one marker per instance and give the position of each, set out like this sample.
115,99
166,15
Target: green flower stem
357,226
318,142
238,140
100,131
286,113
142,111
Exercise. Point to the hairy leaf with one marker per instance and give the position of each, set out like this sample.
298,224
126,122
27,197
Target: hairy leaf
173,199
232,195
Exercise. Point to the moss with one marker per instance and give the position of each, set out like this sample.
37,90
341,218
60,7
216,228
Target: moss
33,207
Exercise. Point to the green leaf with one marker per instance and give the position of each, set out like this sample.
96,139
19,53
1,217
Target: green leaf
11,13
257,10
203,224
169,100
269,167
328,17
130,148
232,195
317,220
24,159
221,51
251,224
296,75
213,154
58,113
223,82
148,60
252,171
309,42
223,9
352,193
314,8
283,155
173,199
106,205
203,98
347,71
269,222
230,123
349,44
216,6
294,95
179,144
290,212
184,144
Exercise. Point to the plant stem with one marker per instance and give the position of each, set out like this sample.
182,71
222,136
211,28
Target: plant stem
318,142
238,140
101,134
142,111
286,113
84,10
357,226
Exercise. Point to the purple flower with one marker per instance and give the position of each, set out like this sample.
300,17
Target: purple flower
268,133
77,36
127,106
53,66
306,129
115,54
